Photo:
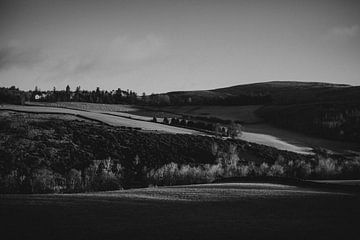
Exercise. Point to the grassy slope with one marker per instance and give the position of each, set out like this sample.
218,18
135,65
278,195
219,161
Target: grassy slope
253,123
246,212
106,118
244,113
288,99
280,91
295,92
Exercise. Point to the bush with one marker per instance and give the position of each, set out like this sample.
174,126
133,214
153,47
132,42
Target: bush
100,176
263,169
276,170
74,181
326,167
350,168
43,181
173,174
11,183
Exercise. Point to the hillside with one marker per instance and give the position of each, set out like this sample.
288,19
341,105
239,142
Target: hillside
276,92
328,110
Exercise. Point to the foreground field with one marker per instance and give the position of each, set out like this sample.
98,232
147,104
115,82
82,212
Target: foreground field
214,211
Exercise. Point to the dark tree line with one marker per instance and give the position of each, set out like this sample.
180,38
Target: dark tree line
95,96
232,129
13,95
119,96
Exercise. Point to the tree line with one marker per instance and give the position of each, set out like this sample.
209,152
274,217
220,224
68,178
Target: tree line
13,95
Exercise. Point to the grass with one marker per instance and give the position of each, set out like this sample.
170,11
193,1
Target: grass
87,106
105,118
242,113
301,139
226,211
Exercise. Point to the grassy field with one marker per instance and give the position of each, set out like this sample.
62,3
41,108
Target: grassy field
214,211
300,139
245,113
88,106
274,136
241,113
261,133
105,118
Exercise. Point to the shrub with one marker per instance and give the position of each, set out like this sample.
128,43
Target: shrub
173,174
99,176
43,181
11,183
276,170
298,168
350,168
326,167
74,181
263,169
107,181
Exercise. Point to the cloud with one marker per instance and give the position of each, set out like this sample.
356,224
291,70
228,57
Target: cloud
131,50
17,55
119,54
346,32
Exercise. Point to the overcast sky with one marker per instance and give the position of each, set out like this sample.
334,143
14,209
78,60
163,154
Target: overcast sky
158,46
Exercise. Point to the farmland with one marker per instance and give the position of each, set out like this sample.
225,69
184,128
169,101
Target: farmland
108,112
105,118
215,211
245,114
254,125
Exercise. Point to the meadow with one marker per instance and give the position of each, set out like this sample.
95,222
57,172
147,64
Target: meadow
100,117
132,113
245,114
252,124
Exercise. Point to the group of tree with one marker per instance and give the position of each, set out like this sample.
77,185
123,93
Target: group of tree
98,95
232,129
13,95
119,96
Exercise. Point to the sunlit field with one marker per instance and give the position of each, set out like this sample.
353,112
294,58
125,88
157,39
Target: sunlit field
105,118
128,118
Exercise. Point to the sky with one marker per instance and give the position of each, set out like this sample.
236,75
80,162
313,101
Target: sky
158,46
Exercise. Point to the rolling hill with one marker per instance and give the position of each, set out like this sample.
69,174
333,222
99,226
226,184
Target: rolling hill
327,110
276,92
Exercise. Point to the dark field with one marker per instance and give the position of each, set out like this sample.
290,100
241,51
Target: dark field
231,211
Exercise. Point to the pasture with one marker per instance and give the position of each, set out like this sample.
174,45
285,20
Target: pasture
244,114
131,114
101,117
87,106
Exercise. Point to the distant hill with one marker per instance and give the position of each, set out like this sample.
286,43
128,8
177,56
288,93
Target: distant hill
323,109
276,92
